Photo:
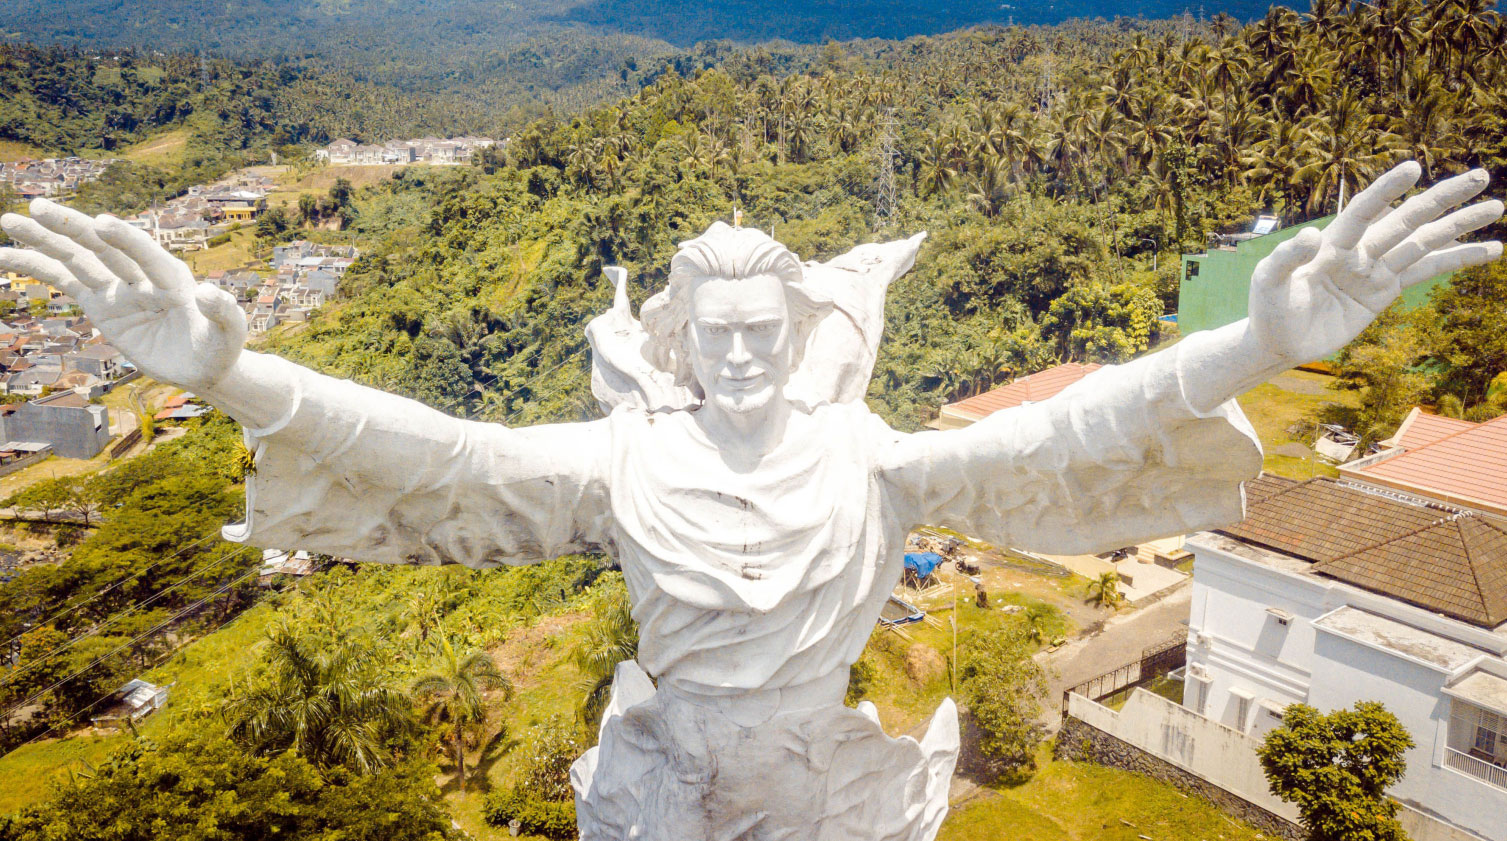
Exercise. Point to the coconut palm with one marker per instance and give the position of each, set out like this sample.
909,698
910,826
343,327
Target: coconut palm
453,692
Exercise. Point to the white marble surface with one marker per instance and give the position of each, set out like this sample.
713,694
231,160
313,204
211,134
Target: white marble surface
756,506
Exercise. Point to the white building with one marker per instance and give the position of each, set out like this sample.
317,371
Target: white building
1331,593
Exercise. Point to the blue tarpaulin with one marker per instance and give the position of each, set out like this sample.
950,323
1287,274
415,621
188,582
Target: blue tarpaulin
922,562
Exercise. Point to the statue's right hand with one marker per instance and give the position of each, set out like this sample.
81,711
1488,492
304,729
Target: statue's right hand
141,298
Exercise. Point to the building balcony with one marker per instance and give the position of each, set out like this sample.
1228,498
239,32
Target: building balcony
1479,768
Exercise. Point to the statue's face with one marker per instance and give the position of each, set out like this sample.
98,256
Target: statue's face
740,340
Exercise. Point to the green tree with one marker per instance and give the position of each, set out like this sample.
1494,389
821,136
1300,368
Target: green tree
1336,769
332,706
272,224
454,695
1002,686
1104,591
608,638
207,789
1471,344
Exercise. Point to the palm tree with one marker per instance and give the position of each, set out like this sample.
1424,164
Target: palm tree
1344,149
1104,591
609,638
1034,621
330,706
454,693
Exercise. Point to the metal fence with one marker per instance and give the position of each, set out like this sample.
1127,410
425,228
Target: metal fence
1155,662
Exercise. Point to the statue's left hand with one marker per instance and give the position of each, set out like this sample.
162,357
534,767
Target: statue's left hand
1319,290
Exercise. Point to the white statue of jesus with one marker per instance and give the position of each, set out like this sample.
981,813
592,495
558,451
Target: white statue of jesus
757,507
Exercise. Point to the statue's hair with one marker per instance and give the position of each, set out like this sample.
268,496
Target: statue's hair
725,253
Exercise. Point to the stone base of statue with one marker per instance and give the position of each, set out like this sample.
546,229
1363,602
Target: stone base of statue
672,766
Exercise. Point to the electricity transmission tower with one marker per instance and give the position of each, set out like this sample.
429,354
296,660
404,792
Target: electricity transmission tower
884,177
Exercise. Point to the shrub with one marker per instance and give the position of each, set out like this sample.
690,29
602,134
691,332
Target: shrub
552,819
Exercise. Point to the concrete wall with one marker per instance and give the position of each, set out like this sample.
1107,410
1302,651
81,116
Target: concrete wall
1177,735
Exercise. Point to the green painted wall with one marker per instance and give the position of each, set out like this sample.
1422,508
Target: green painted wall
1219,292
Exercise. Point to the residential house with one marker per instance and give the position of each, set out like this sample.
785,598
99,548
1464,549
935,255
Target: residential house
1330,593
237,205
131,703
340,152
1033,388
1452,461
100,360
266,313
75,427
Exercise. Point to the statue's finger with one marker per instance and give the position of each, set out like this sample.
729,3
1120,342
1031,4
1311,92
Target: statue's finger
1450,260
81,263
1436,235
1286,258
65,221
1422,209
1369,204
220,307
40,266
165,271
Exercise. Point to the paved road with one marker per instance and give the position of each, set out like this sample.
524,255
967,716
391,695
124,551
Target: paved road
1121,641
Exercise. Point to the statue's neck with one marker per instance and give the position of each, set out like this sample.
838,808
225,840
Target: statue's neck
747,435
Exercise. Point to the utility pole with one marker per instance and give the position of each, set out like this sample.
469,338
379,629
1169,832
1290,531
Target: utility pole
884,178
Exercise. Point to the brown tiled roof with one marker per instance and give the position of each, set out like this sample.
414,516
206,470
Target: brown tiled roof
1451,563
1265,485
1029,389
1320,519
1456,566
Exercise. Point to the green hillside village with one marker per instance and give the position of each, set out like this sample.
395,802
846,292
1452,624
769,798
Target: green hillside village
437,224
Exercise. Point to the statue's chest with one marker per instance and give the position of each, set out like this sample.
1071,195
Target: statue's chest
685,510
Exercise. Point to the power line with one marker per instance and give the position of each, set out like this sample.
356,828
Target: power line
19,670
103,657
66,609
558,366
232,620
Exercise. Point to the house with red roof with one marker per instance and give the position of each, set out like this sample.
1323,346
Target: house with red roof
1028,389
1450,461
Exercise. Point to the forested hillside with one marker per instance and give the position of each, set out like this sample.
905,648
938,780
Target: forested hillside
1048,165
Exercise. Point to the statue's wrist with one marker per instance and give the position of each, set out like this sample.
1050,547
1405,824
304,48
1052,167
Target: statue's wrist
257,391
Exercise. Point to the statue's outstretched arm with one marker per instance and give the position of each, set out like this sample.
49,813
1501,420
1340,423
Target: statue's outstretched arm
146,303
1317,291
340,468
1157,447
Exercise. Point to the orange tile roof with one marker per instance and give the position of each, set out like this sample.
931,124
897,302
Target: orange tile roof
1450,563
1419,429
1029,389
1466,467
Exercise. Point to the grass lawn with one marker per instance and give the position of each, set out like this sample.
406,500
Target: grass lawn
163,150
1291,398
29,772
51,468
11,150
1075,801
240,251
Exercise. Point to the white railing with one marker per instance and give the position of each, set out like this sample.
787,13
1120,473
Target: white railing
1479,768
